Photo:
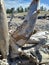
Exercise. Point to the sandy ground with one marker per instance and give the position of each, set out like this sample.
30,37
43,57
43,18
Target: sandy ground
41,24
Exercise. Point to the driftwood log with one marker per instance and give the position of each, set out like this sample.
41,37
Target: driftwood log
23,32
4,39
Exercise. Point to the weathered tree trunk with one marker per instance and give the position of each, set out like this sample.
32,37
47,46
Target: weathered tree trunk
23,32
3,31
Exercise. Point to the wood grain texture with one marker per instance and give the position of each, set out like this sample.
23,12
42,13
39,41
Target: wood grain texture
3,30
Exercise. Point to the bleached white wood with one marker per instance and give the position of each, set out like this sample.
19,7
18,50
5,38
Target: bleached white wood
4,39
